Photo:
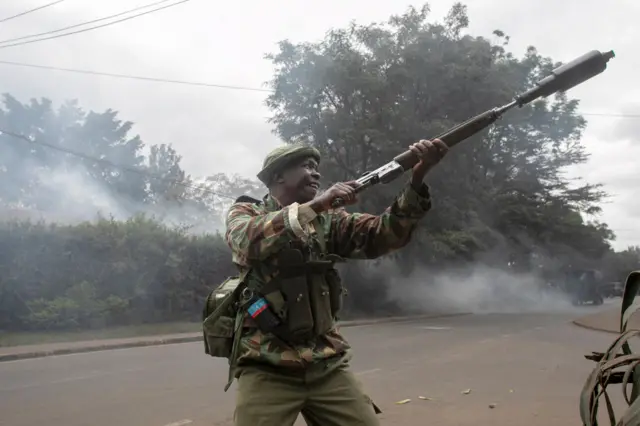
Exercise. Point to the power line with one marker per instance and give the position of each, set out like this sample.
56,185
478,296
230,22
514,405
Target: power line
84,23
135,77
155,79
30,11
112,164
220,86
94,27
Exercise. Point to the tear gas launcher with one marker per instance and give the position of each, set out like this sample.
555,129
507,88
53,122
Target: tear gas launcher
561,79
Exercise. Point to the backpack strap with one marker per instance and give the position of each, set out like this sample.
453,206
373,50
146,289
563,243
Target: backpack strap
233,362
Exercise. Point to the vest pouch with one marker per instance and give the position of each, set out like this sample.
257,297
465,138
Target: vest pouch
218,318
299,324
218,337
295,291
320,296
277,304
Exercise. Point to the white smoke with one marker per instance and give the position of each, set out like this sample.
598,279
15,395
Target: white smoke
76,198
478,289
68,195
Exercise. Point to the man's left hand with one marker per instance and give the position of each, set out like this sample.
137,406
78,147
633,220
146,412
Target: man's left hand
430,153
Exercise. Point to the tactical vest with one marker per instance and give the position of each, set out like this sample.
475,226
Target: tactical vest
300,302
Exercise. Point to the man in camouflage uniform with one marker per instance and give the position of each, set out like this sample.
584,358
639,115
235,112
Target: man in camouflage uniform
278,378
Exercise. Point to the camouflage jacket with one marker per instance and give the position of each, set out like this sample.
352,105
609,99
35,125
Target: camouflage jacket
255,232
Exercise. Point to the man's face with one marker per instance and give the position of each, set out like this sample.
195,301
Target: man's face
301,180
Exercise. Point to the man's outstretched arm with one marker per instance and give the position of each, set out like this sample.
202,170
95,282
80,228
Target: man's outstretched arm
367,236
254,235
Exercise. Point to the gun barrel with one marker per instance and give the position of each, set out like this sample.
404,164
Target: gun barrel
568,75
458,133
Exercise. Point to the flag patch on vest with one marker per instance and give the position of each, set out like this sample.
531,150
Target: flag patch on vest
257,307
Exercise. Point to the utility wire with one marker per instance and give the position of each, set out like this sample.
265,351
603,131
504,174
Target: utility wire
112,164
84,23
94,27
220,86
134,77
161,80
30,11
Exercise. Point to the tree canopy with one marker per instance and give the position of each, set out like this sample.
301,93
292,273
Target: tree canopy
364,93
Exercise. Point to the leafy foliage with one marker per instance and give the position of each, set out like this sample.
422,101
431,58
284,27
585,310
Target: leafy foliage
364,93
105,273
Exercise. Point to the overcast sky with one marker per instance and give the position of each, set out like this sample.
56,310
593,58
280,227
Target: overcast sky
220,130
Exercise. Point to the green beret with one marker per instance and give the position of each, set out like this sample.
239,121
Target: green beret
282,156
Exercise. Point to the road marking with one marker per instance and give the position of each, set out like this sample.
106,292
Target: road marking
180,423
373,370
435,328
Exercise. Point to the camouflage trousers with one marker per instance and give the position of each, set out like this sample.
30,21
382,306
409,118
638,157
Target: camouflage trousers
270,398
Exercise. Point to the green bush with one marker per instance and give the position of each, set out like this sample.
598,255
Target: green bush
105,273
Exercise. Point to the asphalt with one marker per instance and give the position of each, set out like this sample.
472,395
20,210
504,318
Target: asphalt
531,366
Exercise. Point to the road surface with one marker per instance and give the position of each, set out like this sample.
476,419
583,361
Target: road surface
531,366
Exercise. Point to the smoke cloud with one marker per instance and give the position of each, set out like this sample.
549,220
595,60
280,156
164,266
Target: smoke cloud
477,289
68,194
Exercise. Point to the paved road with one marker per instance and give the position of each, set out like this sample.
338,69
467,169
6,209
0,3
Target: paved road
530,365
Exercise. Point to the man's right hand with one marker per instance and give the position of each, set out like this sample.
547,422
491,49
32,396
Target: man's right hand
344,190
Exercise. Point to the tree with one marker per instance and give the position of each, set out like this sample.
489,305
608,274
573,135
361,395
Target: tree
167,182
46,175
81,164
217,192
364,93
104,137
